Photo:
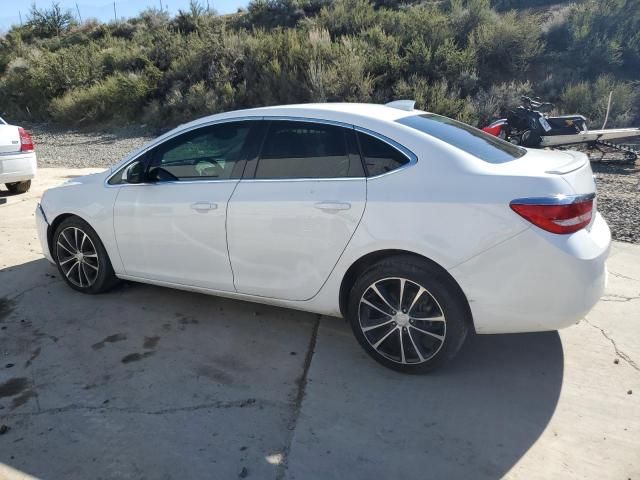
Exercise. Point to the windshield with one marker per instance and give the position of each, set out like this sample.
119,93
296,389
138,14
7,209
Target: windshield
465,137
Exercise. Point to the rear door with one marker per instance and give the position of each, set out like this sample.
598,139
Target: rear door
291,219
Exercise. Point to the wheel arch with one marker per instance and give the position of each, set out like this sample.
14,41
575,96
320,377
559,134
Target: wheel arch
51,229
364,262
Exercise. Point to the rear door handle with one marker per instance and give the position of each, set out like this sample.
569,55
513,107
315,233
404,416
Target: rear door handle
204,206
332,206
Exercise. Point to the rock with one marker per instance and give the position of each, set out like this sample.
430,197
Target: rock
243,473
3,429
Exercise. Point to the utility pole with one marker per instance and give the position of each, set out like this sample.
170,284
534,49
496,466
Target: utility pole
20,15
160,5
115,16
78,9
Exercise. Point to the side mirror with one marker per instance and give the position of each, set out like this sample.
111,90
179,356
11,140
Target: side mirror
133,173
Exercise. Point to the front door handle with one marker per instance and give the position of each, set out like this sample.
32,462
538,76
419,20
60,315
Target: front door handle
204,206
333,206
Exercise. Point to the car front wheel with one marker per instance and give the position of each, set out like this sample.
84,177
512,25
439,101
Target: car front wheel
81,258
408,314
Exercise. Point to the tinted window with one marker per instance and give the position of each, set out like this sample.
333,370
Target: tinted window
379,156
307,150
471,140
210,153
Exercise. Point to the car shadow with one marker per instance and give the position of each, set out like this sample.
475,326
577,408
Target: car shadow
150,362
7,193
474,418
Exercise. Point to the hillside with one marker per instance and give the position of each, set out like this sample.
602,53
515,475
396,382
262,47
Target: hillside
464,58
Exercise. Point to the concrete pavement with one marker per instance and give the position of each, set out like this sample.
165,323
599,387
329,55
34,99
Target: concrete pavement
147,382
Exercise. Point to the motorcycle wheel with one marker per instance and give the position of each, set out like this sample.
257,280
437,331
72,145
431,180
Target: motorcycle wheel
530,139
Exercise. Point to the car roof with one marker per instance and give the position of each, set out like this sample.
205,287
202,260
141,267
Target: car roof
339,112
368,115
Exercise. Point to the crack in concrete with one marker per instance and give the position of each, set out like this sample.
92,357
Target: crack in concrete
619,275
619,352
618,298
297,403
27,290
245,403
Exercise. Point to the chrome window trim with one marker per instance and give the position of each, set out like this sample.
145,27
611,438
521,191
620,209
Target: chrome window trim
412,157
304,179
288,118
559,199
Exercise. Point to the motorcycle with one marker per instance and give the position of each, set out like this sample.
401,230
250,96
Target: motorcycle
528,124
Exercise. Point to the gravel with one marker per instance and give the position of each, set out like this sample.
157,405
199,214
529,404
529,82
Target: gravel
618,181
72,148
619,198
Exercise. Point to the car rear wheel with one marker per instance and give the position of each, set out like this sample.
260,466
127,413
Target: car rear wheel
81,258
19,187
408,314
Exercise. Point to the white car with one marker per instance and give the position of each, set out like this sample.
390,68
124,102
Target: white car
17,158
413,226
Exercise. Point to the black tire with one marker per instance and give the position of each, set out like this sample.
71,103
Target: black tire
19,187
98,274
441,300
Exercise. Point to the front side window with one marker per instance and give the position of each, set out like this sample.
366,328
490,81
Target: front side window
468,139
307,150
209,153
379,157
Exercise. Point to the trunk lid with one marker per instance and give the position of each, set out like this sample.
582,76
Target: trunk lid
9,139
571,166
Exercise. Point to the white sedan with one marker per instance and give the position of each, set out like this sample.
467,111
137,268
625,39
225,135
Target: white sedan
17,158
413,226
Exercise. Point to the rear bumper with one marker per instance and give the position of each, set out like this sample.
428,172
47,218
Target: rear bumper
17,167
536,281
42,226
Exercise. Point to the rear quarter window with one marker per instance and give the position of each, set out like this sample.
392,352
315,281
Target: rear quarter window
465,137
379,157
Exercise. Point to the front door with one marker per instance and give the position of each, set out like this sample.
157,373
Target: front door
290,222
171,228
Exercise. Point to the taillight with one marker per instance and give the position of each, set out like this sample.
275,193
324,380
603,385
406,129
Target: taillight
26,142
562,214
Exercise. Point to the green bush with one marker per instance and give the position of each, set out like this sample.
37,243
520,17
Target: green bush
462,58
591,99
120,96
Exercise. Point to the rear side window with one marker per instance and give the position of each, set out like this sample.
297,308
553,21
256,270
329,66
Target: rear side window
468,139
379,157
306,150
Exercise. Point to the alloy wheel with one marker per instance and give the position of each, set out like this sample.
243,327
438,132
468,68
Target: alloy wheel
402,321
77,257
